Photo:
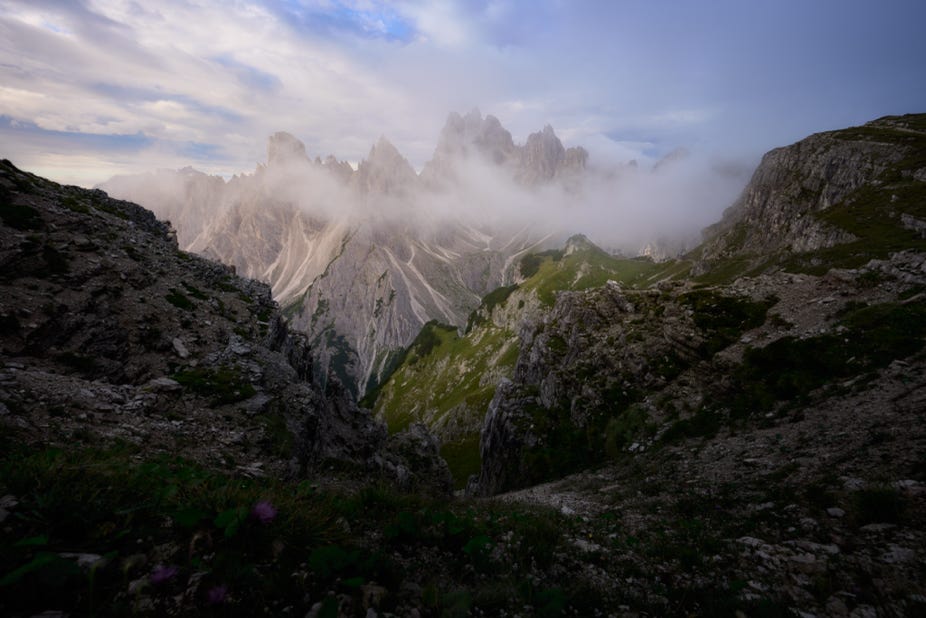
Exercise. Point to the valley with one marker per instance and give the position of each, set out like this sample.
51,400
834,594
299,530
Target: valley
461,419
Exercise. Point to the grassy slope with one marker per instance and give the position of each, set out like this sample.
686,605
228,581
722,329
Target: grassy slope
442,376
446,376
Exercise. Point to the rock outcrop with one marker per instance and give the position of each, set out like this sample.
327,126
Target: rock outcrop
781,206
111,332
385,172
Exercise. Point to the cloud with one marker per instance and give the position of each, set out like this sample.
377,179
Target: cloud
340,73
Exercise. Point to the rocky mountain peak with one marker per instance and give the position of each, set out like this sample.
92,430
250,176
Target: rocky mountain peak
486,136
283,147
579,242
792,203
385,170
542,156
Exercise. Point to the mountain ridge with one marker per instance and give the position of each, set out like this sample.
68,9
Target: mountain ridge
711,435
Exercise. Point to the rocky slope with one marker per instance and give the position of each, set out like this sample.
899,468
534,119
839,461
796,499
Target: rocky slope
111,333
751,415
447,378
870,172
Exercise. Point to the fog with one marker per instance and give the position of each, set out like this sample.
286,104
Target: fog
621,206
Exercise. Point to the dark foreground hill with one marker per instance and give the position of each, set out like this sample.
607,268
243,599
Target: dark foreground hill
743,430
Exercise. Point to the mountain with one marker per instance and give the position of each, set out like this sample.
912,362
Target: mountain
112,333
737,431
788,206
541,159
765,389
361,260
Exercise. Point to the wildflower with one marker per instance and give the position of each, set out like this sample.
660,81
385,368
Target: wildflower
162,574
264,512
217,595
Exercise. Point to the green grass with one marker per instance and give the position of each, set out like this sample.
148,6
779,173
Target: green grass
180,300
790,369
462,456
443,375
724,318
586,269
112,504
222,385
140,513
491,300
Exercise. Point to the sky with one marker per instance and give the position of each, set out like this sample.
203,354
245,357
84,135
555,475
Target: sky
93,88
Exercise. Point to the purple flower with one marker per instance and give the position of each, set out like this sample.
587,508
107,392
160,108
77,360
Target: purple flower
216,595
162,574
264,512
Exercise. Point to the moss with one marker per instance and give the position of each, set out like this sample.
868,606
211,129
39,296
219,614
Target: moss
194,292
179,300
223,385
724,318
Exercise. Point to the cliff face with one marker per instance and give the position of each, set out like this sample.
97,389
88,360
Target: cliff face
111,332
781,208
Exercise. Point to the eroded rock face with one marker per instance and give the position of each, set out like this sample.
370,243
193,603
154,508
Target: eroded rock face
111,332
791,185
385,171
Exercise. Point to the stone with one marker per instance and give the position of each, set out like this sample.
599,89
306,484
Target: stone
180,348
897,554
877,527
86,561
835,512
163,385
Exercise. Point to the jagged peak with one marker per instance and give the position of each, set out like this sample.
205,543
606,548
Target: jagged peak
283,147
384,150
474,116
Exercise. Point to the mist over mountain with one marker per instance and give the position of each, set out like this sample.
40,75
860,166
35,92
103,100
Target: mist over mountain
747,412
362,258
